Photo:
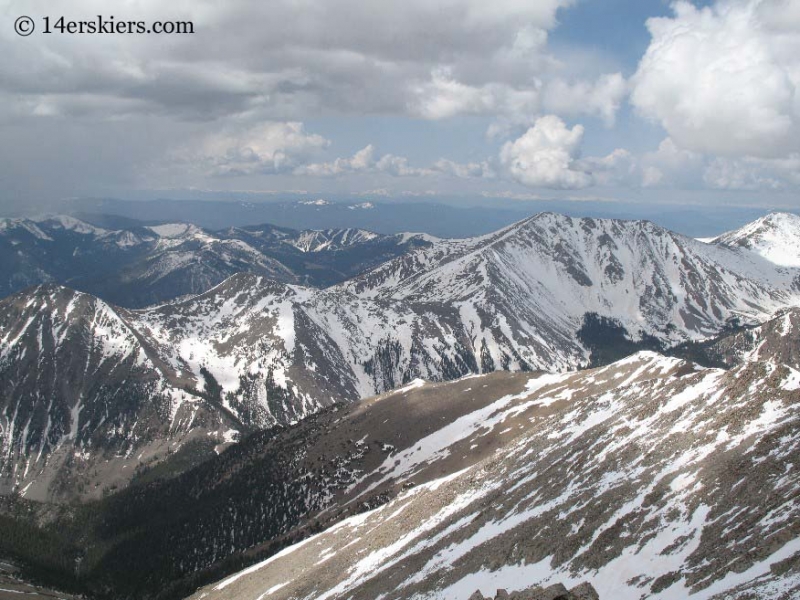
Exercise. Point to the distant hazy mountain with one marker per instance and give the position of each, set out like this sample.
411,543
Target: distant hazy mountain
141,265
388,218
549,293
442,216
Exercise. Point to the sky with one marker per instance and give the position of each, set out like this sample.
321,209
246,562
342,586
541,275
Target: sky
636,100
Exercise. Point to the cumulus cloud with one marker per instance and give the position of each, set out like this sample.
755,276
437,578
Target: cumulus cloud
546,156
280,59
723,80
674,167
442,97
601,98
671,166
365,161
482,169
751,173
619,167
398,167
268,148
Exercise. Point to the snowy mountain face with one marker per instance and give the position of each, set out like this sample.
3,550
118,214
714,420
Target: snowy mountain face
83,399
775,237
543,275
291,350
649,478
145,265
317,241
253,353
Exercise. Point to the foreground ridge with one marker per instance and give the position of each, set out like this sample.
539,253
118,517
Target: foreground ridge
651,476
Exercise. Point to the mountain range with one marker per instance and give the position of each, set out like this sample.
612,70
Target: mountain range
549,293
142,264
442,215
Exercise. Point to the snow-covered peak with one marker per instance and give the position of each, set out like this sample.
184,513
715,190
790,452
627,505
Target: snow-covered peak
317,202
174,230
775,237
330,239
70,224
408,236
646,277
26,224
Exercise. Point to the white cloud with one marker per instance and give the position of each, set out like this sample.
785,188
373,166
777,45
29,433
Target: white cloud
601,98
270,147
723,80
671,166
753,173
363,160
546,156
443,97
481,169
619,167
281,60
398,166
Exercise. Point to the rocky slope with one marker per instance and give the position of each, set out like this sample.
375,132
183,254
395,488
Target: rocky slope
84,398
648,478
557,591
776,338
142,265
